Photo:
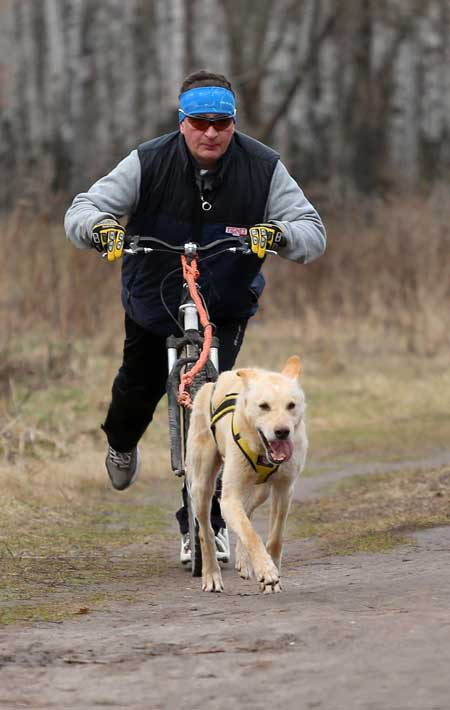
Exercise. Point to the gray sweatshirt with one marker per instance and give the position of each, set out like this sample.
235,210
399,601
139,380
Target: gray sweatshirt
117,194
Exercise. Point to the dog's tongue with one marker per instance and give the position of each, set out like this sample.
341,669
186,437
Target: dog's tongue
281,450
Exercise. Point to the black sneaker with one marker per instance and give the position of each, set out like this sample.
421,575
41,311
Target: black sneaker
122,467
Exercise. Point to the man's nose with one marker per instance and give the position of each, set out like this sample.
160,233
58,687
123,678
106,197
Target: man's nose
211,131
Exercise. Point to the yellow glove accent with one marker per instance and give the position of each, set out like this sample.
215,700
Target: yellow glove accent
108,237
263,237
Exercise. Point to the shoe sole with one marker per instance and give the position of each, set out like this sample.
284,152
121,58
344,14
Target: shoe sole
225,560
133,477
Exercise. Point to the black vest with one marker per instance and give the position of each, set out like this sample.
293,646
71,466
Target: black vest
170,209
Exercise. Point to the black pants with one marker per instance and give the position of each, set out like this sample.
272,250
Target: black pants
141,383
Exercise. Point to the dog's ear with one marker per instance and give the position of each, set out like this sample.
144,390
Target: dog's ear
292,368
246,373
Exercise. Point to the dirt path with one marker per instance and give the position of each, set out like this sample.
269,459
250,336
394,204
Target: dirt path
365,632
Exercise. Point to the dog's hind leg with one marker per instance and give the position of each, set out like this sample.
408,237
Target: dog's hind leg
202,490
282,492
203,462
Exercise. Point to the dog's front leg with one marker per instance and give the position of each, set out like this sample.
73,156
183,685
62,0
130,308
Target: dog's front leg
266,572
202,492
282,492
257,496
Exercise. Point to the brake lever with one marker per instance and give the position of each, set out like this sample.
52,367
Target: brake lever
240,250
138,250
134,248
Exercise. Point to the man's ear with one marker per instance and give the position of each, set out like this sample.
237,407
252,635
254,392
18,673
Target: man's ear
292,368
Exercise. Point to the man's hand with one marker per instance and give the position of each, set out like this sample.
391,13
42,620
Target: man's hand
108,237
263,237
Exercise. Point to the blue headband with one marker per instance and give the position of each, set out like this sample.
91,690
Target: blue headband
206,99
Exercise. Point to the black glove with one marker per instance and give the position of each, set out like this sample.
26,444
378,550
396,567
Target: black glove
265,236
108,237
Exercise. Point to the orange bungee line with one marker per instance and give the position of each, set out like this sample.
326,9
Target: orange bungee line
191,275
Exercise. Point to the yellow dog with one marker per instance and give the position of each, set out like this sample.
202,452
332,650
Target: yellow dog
253,421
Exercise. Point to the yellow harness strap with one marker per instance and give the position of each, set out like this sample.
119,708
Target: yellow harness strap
259,463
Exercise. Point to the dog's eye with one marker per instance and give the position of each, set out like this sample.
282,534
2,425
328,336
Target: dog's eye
291,405
265,407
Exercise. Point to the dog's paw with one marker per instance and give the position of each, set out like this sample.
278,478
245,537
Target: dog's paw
269,579
243,564
212,582
270,588
244,568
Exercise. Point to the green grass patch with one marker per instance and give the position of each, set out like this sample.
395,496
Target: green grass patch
388,417
54,611
56,560
368,403
374,513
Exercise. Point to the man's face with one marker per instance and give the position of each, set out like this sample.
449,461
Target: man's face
207,144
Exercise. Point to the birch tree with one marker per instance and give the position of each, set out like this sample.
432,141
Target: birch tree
355,91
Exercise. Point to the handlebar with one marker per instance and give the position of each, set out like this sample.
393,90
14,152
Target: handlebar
189,249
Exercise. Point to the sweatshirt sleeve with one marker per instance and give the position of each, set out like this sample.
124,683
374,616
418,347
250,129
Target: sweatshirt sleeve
115,195
288,207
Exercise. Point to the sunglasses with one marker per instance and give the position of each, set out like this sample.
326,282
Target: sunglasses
202,124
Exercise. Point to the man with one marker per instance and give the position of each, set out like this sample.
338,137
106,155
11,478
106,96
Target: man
198,183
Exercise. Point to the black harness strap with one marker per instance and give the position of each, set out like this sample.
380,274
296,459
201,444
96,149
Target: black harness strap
226,406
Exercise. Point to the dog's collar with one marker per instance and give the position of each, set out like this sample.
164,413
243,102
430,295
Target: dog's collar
259,464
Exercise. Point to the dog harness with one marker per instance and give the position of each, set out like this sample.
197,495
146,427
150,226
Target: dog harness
262,467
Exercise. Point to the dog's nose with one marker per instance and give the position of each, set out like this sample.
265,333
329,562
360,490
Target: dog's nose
281,434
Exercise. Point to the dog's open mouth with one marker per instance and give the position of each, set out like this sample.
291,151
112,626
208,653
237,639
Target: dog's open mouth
277,451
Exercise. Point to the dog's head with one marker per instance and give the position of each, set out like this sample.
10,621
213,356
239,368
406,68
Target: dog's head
274,407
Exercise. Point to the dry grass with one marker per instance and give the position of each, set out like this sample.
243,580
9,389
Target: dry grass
383,276
50,416
52,286
58,558
373,514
